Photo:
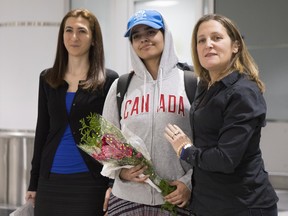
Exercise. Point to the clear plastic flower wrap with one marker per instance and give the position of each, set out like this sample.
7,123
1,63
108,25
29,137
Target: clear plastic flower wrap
116,149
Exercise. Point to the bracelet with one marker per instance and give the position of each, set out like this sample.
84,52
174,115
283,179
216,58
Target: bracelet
179,149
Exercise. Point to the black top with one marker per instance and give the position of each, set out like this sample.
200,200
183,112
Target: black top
229,173
53,119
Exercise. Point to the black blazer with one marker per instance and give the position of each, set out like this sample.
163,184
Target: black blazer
53,119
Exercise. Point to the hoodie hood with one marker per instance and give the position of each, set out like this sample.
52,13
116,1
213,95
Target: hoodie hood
168,61
147,107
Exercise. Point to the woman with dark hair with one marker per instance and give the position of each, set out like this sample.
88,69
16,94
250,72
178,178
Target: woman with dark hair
64,180
226,118
155,96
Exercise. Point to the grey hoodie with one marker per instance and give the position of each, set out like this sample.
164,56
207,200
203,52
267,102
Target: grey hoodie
148,106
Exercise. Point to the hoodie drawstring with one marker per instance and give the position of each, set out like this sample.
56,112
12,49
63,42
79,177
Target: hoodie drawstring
160,76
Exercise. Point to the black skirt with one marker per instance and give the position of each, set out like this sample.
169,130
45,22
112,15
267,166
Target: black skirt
70,194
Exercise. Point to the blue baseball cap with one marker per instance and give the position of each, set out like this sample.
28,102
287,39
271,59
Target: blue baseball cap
150,18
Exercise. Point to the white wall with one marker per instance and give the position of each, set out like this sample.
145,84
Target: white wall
112,16
180,17
28,38
274,145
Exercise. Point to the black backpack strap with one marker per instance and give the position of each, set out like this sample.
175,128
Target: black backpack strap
190,80
184,66
122,86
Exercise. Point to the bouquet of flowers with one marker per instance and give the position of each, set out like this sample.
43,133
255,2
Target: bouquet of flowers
116,149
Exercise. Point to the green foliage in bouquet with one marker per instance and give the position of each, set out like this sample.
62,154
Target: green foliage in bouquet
106,144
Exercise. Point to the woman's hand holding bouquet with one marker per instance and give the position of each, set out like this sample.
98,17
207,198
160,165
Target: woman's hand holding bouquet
108,145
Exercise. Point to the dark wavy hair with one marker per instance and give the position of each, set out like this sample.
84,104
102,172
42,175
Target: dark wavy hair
96,73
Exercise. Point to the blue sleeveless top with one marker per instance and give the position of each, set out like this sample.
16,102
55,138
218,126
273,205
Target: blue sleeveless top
68,158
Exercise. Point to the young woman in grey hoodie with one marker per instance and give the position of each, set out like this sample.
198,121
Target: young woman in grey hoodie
155,97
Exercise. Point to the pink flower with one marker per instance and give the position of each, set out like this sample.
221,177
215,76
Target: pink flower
119,149
139,155
106,143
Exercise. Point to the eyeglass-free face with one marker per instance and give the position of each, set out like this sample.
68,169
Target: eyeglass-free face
147,42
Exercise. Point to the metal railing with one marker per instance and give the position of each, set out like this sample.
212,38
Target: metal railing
16,149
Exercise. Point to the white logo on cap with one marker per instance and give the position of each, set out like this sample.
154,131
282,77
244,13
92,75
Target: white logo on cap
140,15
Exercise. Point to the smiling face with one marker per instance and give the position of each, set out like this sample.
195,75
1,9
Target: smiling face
214,47
77,36
147,42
